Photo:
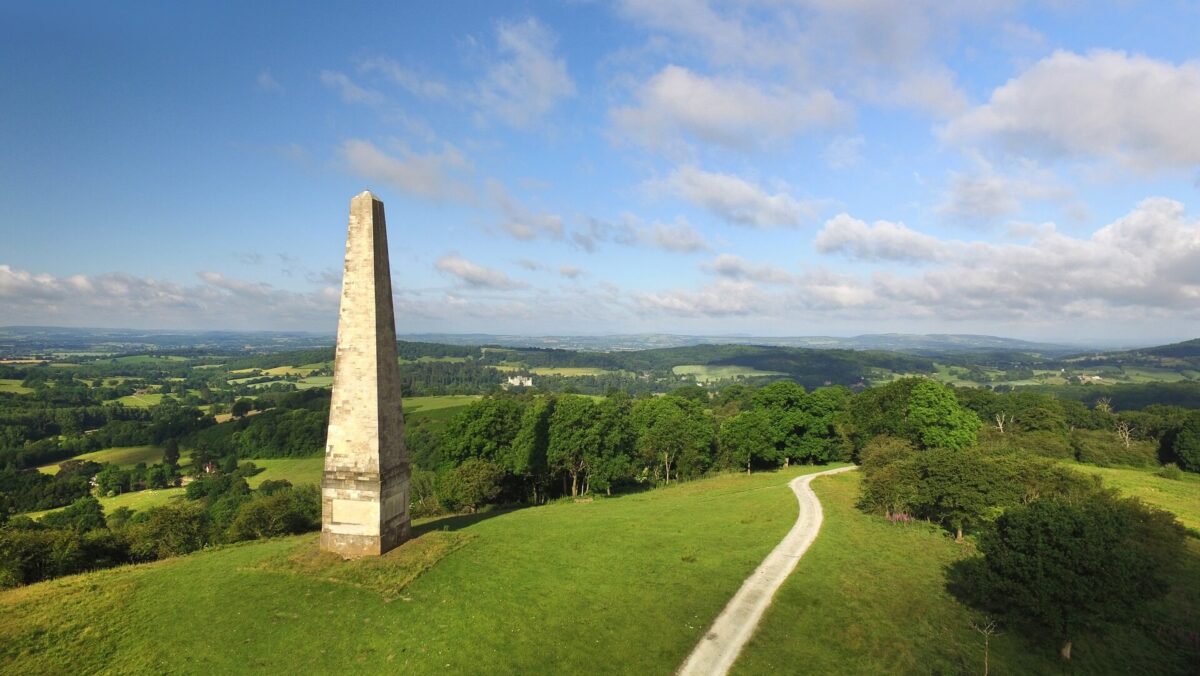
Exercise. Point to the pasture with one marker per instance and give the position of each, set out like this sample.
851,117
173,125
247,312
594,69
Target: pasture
568,371
126,456
1181,496
617,585
13,386
707,373
141,400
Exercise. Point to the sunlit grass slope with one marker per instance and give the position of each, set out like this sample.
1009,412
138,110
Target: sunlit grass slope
869,598
621,585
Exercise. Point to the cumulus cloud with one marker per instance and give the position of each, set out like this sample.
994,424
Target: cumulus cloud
679,236
570,271
880,241
1133,109
122,299
519,220
350,91
879,51
528,79
724,298
432,176
474,275
678,104
736,200
736,267
980,198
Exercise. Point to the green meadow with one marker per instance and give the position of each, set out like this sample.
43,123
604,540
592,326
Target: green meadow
611,585
141,400
126,456
14,386
568,371
1181,496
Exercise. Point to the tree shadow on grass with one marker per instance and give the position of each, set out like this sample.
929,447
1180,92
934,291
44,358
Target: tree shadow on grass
456,522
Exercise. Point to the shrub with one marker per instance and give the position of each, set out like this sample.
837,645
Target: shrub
286,512
1170,471
471,484
1104,448
170,530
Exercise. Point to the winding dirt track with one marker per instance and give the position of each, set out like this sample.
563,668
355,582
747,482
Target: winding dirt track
717,651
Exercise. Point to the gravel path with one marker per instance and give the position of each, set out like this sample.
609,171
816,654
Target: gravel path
719,648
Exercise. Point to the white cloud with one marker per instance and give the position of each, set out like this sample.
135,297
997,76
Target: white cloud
570,271
981,197
529,79
348,89
736,267
125,300
678,104
724,298
267,82
416,83
519,220
432,176
881,241
474,275
736,200
679,236
1133,109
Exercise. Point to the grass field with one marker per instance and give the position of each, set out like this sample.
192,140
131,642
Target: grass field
126,456
315,381
712,374
296,470
430,404
141,400
14,386
869,598
1181,496
622,585
146,359
288,371
568,371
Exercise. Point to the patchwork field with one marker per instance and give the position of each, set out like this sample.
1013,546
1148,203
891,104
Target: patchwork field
711,374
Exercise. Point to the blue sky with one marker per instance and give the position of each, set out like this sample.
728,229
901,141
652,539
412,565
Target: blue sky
681,166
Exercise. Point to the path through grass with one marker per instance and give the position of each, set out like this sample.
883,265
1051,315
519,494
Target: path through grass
622,585
869,598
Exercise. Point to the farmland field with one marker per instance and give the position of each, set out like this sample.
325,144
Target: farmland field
126,456
711,373
568,371
141,400
14,386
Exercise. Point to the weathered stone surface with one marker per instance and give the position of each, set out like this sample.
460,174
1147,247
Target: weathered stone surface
365,489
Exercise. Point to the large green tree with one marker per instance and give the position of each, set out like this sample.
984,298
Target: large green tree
1059,566
573,436
747,438
934,419
1187,444
674,435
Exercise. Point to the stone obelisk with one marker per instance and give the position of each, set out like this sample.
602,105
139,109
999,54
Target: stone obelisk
365,489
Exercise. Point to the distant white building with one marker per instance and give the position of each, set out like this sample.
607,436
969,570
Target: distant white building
520,381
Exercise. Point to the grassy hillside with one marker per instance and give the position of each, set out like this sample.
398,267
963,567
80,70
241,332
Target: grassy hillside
125,456
1181,496
869,598
622,585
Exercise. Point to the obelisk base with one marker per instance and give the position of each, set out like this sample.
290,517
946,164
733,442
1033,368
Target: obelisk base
357,519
